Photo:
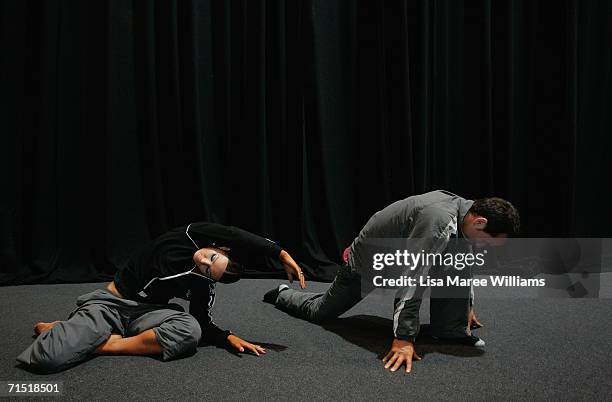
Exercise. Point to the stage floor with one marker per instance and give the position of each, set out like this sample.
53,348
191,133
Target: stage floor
546,349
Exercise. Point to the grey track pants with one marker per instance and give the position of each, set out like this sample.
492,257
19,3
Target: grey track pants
97,316
449,309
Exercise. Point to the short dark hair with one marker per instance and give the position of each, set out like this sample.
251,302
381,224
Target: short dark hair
502,216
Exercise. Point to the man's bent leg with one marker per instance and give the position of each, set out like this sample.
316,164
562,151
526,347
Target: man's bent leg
343,294
168,332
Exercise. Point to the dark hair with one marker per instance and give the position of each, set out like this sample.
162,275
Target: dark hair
502,216
232,273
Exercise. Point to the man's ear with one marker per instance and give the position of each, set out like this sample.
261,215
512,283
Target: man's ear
480,223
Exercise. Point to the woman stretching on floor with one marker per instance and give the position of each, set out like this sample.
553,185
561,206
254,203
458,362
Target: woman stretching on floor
132,316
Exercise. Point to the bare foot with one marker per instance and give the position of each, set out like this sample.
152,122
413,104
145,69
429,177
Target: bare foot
41,327
107,346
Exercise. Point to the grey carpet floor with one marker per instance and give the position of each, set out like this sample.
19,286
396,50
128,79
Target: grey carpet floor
547,349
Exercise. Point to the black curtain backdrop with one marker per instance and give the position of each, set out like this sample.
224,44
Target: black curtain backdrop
295,119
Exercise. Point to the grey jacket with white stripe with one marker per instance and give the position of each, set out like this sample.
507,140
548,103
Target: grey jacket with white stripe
433,218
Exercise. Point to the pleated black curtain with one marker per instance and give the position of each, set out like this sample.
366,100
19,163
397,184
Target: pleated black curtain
295,119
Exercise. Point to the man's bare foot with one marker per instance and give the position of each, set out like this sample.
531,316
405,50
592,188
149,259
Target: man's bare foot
107,347
41,327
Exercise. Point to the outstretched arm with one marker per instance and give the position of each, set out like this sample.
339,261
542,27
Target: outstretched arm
431,234
246,247
238,241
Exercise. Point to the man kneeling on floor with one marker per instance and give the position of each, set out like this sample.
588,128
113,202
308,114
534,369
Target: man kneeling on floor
433,218
132,316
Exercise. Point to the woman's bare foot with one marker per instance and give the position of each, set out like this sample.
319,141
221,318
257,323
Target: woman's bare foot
41,327
107,347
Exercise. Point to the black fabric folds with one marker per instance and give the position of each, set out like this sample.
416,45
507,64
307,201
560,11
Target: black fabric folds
295,120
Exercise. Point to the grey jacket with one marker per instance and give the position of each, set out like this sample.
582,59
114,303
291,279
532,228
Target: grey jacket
433,218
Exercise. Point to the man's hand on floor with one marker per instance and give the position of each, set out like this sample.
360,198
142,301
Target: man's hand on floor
402,352
241,346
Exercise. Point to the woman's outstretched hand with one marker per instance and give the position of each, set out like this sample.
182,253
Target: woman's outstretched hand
292,269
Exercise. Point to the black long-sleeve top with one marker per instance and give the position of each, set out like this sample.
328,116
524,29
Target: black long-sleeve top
163,269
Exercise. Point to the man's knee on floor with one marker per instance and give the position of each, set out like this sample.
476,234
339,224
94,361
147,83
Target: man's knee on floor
178,336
